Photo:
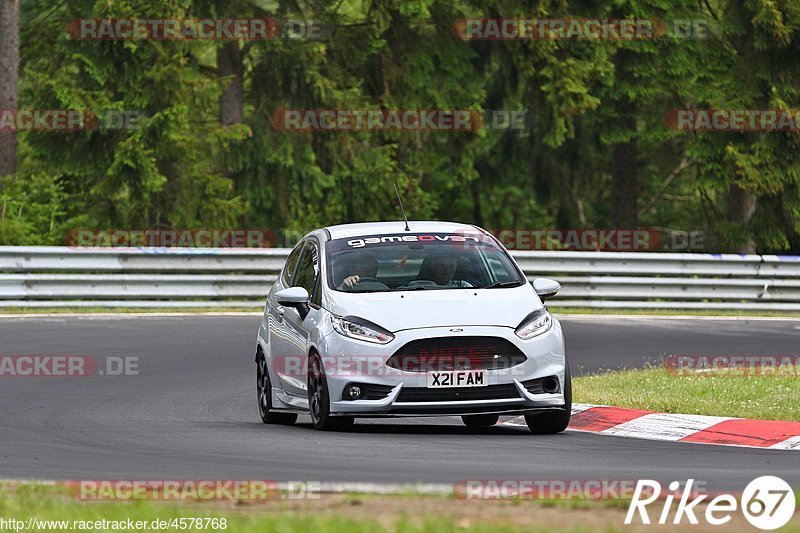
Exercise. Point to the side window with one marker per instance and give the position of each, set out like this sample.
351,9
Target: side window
291,262
316,295
307,268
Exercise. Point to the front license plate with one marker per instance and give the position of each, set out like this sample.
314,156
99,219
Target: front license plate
457,378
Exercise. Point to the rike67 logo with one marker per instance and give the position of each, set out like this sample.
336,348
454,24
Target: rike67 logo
768,502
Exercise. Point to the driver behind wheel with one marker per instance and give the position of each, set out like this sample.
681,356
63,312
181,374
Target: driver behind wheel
440,268
360,265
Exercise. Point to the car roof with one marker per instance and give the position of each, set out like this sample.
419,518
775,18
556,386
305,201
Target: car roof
343,231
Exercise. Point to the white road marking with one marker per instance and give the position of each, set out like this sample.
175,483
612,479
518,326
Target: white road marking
664,426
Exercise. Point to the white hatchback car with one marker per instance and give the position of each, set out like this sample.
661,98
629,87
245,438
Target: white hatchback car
376,320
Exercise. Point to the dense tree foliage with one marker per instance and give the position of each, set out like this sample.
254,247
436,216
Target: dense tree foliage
597,149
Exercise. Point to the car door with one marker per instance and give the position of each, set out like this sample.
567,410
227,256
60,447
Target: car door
283,350
298,328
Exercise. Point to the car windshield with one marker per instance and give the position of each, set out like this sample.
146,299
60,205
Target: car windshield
419,261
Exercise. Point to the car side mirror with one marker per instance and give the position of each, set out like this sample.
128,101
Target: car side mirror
546,288
296,297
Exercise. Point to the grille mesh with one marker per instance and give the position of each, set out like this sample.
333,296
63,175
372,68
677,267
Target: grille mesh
456,353
492,392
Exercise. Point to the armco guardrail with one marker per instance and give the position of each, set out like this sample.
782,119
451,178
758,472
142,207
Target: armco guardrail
241,277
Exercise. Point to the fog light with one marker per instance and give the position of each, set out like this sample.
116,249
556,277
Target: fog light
353,392
550,385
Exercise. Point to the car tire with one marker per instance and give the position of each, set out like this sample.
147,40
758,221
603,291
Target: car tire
319,403
550,422
264,389
480,421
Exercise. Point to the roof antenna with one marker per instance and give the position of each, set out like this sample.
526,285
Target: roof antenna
401,206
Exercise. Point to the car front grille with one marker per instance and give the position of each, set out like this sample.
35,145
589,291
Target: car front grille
455,394
456,353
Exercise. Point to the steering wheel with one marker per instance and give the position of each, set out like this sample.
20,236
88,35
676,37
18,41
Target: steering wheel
421,283
362,279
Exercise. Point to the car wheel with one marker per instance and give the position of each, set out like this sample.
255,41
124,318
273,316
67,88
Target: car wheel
480,421
319,404
264,388
550,422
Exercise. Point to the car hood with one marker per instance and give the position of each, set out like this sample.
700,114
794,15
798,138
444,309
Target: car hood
401,310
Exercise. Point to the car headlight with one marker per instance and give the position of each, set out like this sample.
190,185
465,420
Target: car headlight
534,324
361,329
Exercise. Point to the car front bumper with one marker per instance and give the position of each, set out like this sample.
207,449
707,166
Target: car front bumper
353,362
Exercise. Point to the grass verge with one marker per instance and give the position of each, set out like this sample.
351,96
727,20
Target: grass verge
769,397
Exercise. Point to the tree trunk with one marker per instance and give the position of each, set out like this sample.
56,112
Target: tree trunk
477,208
624,155
624,186
9,80
741,206
567,213
231,102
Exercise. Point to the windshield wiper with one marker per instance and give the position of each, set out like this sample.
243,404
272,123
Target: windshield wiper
503,284
373,291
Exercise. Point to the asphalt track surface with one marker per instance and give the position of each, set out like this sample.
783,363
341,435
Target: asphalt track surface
191,412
